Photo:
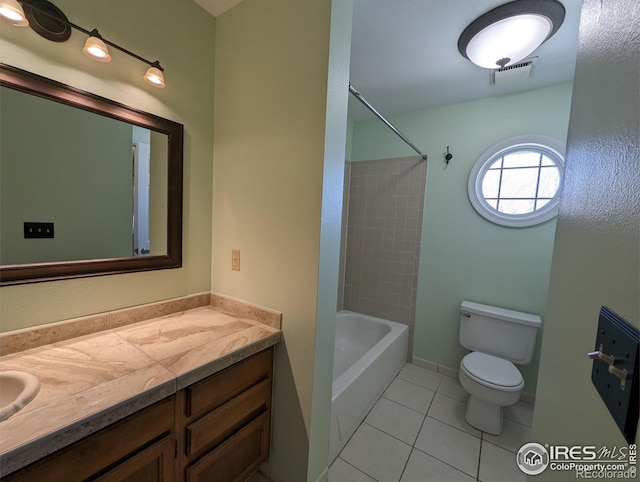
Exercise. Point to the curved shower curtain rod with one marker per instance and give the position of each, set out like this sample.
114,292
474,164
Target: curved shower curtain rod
359,96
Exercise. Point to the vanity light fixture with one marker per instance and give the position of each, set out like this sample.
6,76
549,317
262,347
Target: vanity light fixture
49,22
95,48
12,12
154,75
509,33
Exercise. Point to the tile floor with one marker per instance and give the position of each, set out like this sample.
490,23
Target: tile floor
416,432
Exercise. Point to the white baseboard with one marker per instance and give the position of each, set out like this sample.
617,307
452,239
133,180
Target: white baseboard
424,364
528,397
324,476
429,365
271,475
265,471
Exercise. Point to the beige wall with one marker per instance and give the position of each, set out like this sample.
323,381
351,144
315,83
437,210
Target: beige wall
597,246
330,233
269,161
277,180
188,99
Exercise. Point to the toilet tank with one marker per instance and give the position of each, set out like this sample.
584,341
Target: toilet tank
497,331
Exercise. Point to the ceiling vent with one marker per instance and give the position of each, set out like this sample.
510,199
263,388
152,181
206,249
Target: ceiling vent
514,73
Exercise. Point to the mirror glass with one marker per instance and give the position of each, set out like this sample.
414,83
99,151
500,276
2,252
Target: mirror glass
87,186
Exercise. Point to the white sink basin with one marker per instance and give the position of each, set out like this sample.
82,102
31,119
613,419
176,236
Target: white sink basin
17,389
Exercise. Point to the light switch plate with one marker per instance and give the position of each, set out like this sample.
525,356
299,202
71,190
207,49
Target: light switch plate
38,230
618,339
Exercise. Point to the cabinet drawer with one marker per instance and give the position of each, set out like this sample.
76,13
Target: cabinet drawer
214,427
237,458
214,391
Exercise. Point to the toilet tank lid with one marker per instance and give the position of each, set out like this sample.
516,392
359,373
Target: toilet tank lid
501,313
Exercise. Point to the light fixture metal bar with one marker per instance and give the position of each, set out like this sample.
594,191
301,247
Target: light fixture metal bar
364,101
128,52
90,33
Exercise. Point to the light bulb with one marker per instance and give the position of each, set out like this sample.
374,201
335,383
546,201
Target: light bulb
154,77
12,12
508,41
96,49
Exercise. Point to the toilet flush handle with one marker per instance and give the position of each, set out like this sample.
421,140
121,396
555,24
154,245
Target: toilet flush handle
465,314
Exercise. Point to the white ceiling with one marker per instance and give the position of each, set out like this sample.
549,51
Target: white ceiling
217,7
404,54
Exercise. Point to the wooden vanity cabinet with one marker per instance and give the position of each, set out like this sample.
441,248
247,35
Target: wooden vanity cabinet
223,422
216,430
139,448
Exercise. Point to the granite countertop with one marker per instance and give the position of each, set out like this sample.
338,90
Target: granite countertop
91,381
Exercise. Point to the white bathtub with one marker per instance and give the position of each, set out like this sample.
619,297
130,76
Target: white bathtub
369,353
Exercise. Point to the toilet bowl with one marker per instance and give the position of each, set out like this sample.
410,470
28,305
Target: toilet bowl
497,338
492,383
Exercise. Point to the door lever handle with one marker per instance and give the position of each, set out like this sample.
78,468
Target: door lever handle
611,361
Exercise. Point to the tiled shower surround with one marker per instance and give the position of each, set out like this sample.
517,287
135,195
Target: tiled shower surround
381,228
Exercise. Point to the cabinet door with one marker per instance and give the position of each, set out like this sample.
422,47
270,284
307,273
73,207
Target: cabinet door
237,458
93,455
153,464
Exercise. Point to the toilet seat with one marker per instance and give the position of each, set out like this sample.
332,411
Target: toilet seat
492,372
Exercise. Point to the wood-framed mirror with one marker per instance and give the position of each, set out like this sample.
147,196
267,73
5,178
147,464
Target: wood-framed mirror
88,186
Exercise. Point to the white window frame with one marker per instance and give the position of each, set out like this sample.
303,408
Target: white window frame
548,146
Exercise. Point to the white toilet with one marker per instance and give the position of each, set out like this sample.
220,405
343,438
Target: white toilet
497,338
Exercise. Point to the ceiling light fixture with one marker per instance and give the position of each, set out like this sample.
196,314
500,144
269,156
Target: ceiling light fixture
12,12
49,22
509,33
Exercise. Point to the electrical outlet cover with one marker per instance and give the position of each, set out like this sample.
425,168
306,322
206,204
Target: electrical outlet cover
235,259
621,340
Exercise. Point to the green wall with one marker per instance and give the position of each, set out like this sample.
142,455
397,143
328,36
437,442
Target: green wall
336,127
350,124
188,99
463,256
66,166
140,134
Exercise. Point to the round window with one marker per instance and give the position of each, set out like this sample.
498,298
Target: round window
517,182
